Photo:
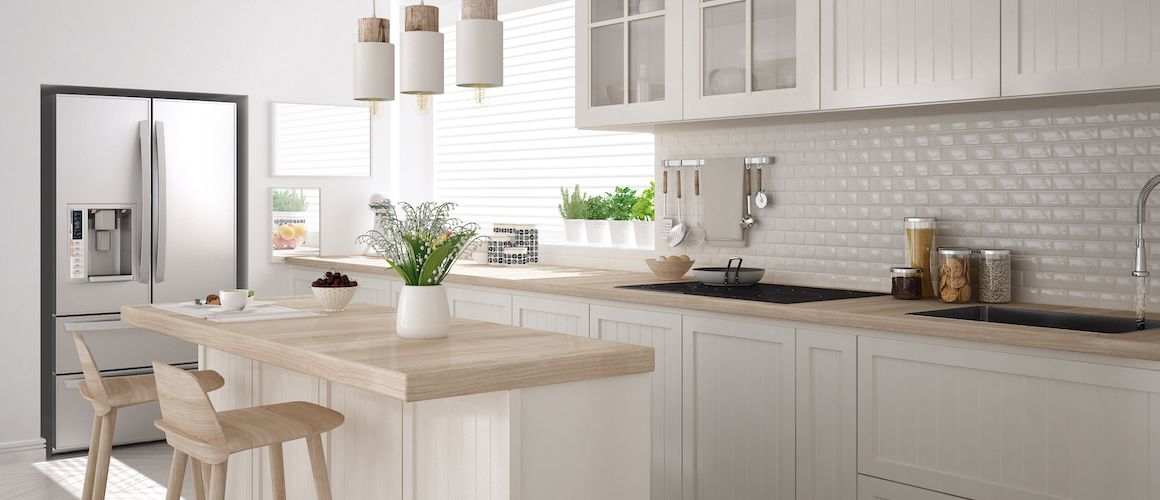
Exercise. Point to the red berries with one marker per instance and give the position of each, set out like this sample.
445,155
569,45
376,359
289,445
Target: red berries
334,280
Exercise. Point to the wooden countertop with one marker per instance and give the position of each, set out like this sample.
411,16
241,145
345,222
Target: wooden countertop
358,347
874,313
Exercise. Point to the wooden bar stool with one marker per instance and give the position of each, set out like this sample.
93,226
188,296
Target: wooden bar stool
107,395
195,430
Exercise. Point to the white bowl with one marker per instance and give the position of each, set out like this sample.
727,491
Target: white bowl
334,299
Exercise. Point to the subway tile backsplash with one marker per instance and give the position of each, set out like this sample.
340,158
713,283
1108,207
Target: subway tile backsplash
1057,186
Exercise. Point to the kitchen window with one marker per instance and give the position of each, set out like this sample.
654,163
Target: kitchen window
505,160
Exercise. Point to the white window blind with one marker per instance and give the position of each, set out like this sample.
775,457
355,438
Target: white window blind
505,160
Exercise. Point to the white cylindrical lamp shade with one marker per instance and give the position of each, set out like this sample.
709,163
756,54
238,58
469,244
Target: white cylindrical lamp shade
374,71
479,53
421,62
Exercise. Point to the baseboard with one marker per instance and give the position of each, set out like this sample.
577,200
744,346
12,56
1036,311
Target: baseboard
22,452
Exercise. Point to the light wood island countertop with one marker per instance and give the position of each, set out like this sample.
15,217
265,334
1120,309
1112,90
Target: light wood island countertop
358,347
873,313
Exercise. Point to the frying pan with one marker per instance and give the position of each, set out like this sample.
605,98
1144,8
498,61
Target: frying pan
729,275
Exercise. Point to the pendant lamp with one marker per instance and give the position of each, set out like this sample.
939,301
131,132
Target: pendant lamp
374,61
479,47
422,54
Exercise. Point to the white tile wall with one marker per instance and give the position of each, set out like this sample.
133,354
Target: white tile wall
1055,185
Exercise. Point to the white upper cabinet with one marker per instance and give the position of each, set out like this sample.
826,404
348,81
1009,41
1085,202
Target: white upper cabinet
750,57
888,52
1054,46
628,62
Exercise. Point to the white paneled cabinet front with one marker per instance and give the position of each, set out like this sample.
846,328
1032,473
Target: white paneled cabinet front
1054,46
662,332
550,315
739,433
371,289
479,304
886,52
827,415
872,488
982,425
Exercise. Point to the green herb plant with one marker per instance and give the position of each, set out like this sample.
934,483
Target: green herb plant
642,207
620,202
599,207
572,205
423,244
288,200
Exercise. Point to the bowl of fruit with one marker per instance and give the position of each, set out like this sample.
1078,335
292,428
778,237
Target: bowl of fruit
288,236
334,290
672,267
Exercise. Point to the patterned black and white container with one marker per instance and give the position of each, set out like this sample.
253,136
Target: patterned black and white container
514,245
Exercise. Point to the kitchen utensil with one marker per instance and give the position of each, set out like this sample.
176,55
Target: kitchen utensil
747,220
696,237
334,299
760,199
729,275
670,269
679,231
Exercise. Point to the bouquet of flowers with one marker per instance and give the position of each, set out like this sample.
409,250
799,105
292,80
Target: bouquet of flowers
423,244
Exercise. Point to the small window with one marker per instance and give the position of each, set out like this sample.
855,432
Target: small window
320,140
295,221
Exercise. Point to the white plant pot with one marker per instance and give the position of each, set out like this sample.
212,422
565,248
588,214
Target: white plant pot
622,233
423,312
645,232
597,231
574,231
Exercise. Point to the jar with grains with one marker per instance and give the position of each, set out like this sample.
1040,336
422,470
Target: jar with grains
954,270
995,276
906,283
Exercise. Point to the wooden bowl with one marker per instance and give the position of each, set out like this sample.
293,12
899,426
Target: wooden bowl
669,269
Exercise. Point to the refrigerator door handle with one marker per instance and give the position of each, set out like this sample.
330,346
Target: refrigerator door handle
144,240
159,250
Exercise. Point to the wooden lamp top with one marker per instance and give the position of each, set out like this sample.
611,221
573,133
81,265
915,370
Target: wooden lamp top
374,29
422,18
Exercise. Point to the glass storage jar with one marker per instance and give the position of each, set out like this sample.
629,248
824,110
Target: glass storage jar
954,274
919,242
906,283
994,276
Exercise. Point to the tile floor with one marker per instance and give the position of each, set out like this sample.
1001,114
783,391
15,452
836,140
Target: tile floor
136,472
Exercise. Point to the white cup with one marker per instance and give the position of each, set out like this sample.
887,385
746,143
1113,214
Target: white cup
234,300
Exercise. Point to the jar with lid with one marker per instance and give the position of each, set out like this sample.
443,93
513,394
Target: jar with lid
919,242
994,276
906,283
954,274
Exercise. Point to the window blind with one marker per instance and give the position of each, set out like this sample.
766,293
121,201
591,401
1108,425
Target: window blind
505,160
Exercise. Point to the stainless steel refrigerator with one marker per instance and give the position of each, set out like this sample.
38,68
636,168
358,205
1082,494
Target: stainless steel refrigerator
145,210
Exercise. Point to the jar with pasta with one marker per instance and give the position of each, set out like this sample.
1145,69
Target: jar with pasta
954,275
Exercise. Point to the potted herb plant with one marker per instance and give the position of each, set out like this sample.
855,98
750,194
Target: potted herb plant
620,202
596,213
573,208
421,245
288,210
644,217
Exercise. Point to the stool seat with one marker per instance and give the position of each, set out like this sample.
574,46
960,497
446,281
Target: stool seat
249,428
136,389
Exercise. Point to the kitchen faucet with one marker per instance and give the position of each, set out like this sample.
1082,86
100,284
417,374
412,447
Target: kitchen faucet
1141,270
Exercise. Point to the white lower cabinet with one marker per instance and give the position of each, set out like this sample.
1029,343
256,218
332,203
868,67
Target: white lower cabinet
479,304
662,332
994,425
738,410
827,415
872,488
371,289
550,315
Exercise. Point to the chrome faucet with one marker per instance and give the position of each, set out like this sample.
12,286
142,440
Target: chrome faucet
1141,269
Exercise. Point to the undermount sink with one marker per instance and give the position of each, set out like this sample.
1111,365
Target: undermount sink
1045,319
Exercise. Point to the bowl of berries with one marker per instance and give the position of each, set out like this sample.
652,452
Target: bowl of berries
334,290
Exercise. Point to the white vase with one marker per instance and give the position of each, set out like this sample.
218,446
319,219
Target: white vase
574,231
646,232
423,312
622,233
597,231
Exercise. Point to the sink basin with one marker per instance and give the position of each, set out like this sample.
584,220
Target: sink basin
1045,319
760,292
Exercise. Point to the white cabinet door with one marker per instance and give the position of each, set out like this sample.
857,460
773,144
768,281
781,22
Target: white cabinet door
300,280
662,332
480,305
550,315
884,52
872,488
827,415
628,62
739,410
1077,45
984,425
750,57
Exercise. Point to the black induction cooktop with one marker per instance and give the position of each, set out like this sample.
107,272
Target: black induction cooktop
761,292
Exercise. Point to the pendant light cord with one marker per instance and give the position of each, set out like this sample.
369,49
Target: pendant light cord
374,8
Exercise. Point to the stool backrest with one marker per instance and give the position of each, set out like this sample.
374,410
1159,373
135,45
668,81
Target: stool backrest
93,381
185,406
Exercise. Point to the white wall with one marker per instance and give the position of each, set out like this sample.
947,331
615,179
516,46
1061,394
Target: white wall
270,50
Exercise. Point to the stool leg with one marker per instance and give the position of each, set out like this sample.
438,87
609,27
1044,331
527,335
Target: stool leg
218,481
277,472
104,452
176,476
91,463
196,467
318,466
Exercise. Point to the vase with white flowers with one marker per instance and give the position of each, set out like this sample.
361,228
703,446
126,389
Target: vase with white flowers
421,243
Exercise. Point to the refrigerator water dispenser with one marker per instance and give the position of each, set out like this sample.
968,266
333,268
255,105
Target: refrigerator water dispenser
101,243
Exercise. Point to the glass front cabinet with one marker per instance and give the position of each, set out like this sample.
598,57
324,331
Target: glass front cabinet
628,62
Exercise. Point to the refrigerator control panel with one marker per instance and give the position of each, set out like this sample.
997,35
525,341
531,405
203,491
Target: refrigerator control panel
76,245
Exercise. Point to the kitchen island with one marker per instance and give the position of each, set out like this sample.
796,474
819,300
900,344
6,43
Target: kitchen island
492,411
